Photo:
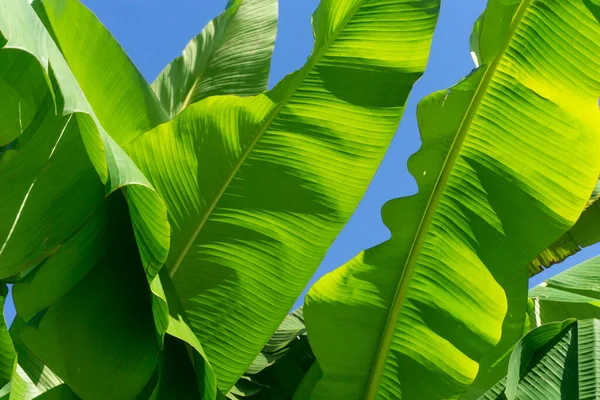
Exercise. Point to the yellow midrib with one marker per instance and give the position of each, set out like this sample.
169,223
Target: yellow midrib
314,59
403,286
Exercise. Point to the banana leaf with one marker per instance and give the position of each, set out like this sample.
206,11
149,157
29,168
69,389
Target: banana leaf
554,361
232,55
257,188
508,163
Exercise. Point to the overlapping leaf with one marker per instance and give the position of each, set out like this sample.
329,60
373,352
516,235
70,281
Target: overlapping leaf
108,316
28,172
52,179
509,159
258,188
51,187
87,240
127,107
123,104
559,360
31,379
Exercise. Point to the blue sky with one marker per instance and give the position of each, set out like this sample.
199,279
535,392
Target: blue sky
153,32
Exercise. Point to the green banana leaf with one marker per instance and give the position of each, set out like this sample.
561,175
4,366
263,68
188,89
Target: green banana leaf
20,386
584,233
258,188
107,318
53,178
310,380
474,41
290,331
554,361
280,367
574,293
232,55
179,327
40,166
113,308
424,314
121,98
570,294
125,103
177,375
31,379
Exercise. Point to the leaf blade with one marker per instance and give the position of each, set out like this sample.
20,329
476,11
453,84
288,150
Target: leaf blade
231,55
476,217
313,142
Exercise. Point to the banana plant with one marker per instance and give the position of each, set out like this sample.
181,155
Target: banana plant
175,224
508,162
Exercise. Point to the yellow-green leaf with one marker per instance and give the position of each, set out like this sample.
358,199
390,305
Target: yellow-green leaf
508,162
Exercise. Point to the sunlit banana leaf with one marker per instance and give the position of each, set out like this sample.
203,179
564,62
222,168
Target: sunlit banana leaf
121,98
258,188
20,386
584,233
231,55
508,162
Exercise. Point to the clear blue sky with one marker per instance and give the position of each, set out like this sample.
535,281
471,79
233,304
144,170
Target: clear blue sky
153,32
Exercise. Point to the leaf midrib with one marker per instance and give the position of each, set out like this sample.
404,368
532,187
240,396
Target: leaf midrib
304,71
415,250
